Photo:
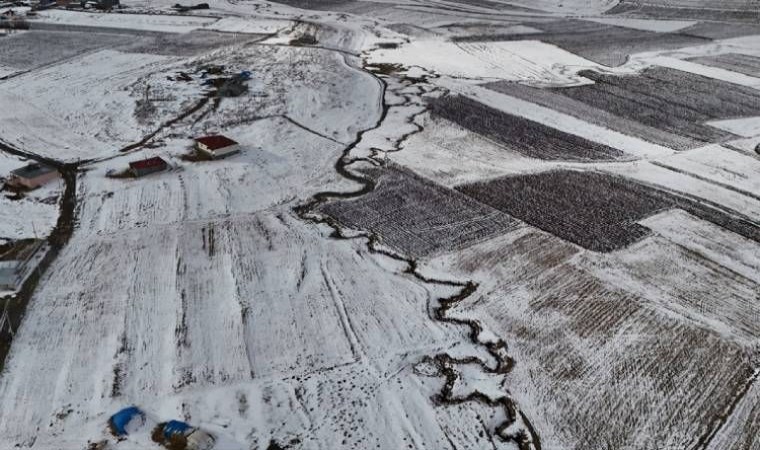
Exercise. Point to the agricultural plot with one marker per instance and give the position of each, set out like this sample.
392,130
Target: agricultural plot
519,134
226,306
529,60
735,62
670,100
553,98
596,211
604,44
417,217
96,119
719,30
31,49
143,22
728,11
600,362
188,44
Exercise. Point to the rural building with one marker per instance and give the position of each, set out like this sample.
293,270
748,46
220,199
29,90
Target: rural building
216,146
196,439
147,166
126,420
32,176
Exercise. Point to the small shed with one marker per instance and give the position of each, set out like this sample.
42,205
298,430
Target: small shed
33,176
193,438
216,146
126,420
147,166
9,275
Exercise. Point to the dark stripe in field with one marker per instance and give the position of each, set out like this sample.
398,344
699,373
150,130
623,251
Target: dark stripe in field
417,216
735,62
553,98
670,100
594,210
725,10
524,136
604,44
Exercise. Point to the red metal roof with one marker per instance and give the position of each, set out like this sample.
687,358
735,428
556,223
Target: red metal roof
147,163
216,142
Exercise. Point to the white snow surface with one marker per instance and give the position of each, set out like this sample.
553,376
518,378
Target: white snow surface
144,22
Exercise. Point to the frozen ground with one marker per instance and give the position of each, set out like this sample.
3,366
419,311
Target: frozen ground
451,225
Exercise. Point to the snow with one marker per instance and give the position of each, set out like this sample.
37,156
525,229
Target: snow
199,294
253,25
96,120
143,22
660,26
564,122
35,215
527,61
745,127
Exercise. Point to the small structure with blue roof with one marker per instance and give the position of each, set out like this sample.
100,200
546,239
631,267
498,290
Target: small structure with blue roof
126,420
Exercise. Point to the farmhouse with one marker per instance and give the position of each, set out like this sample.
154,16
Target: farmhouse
216,146
147,166
32,176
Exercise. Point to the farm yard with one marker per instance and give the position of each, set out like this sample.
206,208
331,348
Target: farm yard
433,225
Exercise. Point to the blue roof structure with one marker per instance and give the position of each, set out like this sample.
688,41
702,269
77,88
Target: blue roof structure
123,418
174,427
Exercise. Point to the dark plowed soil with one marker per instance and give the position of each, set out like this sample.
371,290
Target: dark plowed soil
416,216
594,210
32,49
733,11
605,44
670,100
529,138
553,98
735,62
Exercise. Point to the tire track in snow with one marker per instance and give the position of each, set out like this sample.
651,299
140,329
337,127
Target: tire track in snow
510,430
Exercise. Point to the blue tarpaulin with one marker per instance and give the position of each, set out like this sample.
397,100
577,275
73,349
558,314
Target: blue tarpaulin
174,427
123,418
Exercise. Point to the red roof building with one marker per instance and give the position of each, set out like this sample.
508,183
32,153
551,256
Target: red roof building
147,166
216,145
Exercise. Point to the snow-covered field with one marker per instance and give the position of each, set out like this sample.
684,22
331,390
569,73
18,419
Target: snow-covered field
141,22
245,296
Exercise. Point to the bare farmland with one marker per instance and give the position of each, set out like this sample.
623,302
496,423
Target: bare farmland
24,51
552,98
671,100
731,10
746,64
605,44
594,210
521,135
604,363
418,217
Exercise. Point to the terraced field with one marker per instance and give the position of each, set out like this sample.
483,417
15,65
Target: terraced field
594,210
524,136
605,44
418,217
